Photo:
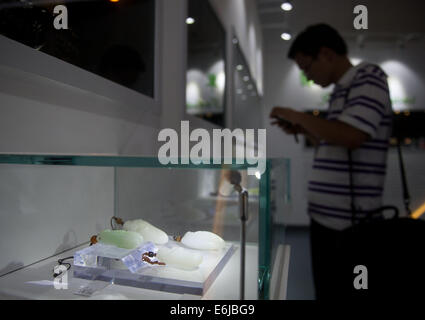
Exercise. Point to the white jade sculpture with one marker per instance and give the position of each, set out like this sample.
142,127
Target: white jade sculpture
179,257
148,231
203,240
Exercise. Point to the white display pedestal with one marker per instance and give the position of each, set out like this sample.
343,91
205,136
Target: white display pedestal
37,282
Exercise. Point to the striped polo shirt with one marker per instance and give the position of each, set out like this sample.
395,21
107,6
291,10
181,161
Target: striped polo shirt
361,99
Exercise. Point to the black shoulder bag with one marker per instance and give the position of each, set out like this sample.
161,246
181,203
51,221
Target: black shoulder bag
391,249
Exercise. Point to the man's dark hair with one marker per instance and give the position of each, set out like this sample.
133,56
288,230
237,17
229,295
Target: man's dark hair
315,37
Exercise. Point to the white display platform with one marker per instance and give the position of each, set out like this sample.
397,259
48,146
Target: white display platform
37,282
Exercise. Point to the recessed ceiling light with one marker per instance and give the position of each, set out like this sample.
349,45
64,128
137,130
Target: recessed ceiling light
286,36
190,20
286,6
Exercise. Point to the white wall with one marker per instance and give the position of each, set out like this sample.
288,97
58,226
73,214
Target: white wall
49,106
283,88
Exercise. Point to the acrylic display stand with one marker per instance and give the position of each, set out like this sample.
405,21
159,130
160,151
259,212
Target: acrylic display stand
126,267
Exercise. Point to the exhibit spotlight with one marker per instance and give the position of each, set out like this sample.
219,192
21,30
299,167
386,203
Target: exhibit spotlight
286,36
286,6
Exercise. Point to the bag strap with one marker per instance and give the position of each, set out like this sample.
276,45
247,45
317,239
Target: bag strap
406,195
351,178
350,163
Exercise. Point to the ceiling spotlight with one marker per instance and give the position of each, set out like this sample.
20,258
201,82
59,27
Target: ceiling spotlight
286,36
190,20
246,78
239,67
286,6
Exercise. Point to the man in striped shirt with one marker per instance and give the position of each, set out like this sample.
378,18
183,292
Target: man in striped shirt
359,119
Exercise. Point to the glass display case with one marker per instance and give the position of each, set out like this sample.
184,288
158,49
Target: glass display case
113,39
175,198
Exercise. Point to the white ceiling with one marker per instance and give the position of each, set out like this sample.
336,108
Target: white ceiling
388,20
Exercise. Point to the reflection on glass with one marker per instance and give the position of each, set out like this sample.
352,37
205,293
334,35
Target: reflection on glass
112,39
206,79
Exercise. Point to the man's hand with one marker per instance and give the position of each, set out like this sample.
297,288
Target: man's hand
285,119
287,126
279,116
332,131
287,114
